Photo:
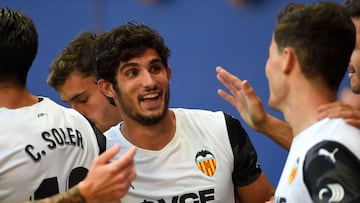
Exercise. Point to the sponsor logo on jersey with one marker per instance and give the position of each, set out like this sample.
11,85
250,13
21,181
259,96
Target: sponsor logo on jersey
293,171
202,196
206,162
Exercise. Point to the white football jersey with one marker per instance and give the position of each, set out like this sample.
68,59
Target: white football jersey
323,165
44,149
198,165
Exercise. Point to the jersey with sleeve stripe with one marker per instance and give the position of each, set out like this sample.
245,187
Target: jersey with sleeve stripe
45,149
209,155
323,165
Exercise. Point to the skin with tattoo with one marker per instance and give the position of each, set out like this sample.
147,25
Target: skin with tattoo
105,182
73,196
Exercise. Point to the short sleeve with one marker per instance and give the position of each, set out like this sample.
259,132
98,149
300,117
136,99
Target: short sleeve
246,168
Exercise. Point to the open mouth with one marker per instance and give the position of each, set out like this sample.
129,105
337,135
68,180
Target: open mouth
150,96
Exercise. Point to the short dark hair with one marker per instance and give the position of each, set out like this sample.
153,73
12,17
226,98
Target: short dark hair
352,7
78,56
124,43
322,36
18,46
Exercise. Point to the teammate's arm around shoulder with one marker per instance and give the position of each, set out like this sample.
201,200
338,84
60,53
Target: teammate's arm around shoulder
106,181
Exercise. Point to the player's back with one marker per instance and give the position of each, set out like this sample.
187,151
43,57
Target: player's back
44,149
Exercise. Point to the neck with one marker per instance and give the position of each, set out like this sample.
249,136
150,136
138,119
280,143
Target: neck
150,137
16,97
301,110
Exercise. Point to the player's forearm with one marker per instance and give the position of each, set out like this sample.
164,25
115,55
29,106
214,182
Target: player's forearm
277,130
72,196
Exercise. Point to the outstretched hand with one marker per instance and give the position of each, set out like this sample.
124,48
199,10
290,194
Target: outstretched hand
340,110
251,109
109,181
243,98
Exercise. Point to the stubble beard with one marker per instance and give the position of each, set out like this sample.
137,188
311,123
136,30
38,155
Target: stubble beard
129,110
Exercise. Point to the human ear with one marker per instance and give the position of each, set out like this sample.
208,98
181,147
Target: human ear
290,59
169,72
106,88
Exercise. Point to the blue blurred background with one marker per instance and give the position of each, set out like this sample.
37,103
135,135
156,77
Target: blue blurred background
200,33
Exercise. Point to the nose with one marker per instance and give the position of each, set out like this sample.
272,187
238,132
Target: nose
148,79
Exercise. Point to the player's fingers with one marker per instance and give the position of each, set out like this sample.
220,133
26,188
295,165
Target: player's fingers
353,122
128,175
233,81
227,97
333,106
126,160
224,81
106,156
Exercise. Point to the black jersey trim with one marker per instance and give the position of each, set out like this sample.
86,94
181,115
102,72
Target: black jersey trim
100,137
246,169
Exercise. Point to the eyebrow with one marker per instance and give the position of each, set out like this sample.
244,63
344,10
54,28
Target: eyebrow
132,64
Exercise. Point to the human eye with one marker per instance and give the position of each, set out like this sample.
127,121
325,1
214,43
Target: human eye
131,73
156,68
82,99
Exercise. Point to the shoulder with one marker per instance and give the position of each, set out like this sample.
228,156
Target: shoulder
236,132
198,115
328,153
50,106
68,116
339,131
328,166
113,131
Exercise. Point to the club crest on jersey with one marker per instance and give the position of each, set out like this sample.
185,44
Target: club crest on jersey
206,162
293,171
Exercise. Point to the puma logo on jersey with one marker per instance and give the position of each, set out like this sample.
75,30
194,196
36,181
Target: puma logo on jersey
330,155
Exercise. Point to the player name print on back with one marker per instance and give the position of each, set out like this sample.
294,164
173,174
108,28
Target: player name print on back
56,137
